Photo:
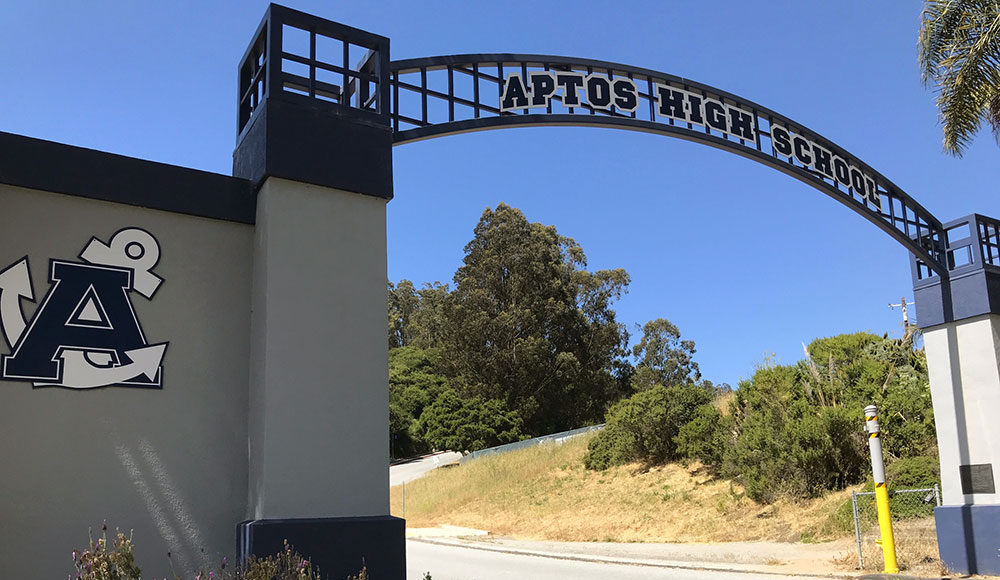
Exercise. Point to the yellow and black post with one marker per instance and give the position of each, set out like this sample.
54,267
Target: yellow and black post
881,492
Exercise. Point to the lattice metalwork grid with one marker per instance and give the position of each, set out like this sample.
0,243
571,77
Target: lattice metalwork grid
461,93
295,55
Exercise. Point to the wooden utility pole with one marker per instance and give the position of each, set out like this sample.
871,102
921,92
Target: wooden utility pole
906,318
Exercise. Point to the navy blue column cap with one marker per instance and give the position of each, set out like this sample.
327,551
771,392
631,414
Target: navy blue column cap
302,142
963,296
972,286
326,123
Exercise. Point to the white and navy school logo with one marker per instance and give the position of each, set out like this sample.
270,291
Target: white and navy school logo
85,334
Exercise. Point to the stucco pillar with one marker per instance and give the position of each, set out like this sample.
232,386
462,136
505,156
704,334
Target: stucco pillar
964,367
319,403
960,319
319,153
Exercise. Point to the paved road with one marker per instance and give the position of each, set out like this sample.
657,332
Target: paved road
446,562
406,472
793,558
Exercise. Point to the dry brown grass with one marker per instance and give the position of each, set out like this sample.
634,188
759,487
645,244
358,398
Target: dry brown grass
916,548
722,402
546,493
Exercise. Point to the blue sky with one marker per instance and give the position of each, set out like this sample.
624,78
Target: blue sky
745,260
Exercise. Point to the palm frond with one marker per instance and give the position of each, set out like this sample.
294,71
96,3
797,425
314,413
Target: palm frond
960,55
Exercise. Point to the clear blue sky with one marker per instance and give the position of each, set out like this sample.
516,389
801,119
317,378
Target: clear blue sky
745,260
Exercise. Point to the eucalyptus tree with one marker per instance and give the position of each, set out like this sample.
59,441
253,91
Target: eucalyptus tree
527,324
662,357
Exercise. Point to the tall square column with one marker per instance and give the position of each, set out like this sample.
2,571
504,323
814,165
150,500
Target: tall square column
960,319
319,155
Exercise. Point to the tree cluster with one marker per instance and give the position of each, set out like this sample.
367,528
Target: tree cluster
789,430
524,343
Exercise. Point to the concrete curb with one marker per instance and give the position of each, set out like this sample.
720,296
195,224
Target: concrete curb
444,531
680,565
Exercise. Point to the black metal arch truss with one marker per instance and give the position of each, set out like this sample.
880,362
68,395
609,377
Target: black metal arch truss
446,95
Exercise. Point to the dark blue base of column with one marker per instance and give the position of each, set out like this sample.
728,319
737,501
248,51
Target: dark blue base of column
969,538
338,546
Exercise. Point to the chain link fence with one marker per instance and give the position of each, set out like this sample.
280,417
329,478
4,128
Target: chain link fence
912,512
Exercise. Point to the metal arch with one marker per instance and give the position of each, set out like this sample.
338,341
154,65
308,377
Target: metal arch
433,97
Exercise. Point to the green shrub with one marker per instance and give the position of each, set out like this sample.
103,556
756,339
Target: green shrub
798,428
601,453
921,472
461,424
786,444
913,472
777,455
643,427
906,415
909,473
703,437
848,452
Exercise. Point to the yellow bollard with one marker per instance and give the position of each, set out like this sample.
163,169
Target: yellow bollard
885,526
881,492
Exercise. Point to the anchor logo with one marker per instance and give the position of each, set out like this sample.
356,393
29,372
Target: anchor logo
85,333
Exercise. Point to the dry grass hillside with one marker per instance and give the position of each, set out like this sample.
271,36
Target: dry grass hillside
545,493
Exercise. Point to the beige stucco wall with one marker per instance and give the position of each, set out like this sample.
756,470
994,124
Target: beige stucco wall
319,403
168,464
963,360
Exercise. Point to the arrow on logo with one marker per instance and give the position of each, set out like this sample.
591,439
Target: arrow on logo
15,283
80,373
